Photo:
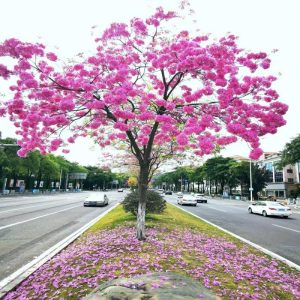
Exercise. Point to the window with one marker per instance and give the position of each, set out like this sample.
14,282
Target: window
279,194
269,166
289,171
291,180
278,176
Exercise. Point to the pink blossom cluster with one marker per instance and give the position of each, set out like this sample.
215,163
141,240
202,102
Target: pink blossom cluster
232,271
141,76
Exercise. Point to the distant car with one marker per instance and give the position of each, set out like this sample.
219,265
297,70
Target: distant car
200,198
187,199
160,191
179,194
96,200
168,192
269,208
120,190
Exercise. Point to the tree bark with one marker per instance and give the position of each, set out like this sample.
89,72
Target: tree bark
142,190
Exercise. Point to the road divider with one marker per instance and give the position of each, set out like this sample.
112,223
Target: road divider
17,277
264,250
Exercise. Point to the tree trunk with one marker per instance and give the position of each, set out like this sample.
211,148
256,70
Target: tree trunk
142,190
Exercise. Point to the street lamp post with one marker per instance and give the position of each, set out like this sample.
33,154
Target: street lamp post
251,188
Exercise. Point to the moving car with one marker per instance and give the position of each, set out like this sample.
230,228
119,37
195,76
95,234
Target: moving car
168,192
187,199
179,194
120,190
269,208
96,200
200,198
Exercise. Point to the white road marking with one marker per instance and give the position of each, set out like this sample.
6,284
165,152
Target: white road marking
1,212
42,216
42,204
286,228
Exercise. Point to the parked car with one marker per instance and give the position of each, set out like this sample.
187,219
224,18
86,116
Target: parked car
120,190
200,198
160,191
187,199
96,200
168,192
269,208
179,194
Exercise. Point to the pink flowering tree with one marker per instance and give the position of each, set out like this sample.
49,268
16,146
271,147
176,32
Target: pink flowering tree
157,92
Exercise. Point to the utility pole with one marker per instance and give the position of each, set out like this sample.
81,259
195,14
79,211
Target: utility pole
251,188
60,177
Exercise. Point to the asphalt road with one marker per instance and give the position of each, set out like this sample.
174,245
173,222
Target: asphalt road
281,236
30,225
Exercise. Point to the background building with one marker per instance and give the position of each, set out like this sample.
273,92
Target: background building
281,181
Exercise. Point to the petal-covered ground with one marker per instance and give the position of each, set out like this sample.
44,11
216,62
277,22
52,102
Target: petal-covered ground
231,270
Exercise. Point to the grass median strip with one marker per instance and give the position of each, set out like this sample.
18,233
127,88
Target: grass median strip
176,242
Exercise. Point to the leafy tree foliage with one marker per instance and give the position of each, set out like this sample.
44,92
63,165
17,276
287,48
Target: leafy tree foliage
156,91
260,177
218,169
290,153
132,181
155,203
98,178
219,172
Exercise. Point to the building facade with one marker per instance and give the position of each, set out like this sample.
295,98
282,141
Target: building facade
281,181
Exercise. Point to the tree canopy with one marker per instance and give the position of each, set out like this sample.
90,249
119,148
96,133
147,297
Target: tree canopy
290,153
153,89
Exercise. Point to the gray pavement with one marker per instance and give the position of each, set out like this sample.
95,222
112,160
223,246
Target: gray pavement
30,225
281,236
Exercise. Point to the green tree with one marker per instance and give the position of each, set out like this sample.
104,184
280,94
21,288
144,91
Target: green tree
31,165
97,178
218,171
260,177
49,170
290,153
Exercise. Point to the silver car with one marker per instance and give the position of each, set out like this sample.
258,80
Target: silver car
200,198
96,200
187,199
269,208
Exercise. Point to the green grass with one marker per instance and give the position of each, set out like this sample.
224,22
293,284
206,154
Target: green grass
172,217
171,239
175,218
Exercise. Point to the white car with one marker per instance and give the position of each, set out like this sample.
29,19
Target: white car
179,194
96,199
187,199
269,208
200,198
120,190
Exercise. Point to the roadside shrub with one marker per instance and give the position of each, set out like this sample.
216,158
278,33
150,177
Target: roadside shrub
155,203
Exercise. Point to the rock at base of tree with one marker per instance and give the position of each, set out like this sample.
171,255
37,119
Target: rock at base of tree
155,286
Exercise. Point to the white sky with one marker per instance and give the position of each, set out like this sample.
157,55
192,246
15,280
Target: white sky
262,25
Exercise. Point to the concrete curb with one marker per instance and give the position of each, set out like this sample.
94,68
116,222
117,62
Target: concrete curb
264,250
21,274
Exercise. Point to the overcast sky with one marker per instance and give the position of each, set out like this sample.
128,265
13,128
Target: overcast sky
262,25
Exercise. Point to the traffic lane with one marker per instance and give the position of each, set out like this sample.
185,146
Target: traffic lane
19,202
17,214
21,214
21,244
257,229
